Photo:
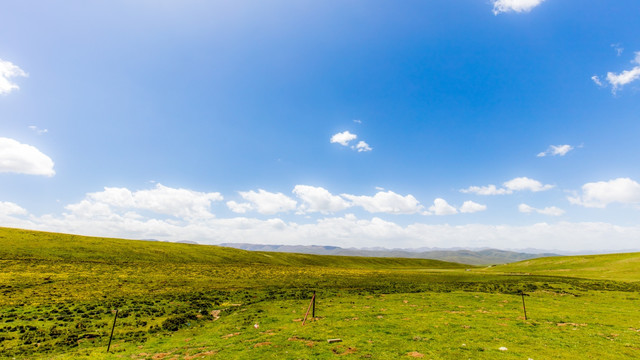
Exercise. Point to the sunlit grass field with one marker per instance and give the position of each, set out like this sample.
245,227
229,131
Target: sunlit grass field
178,301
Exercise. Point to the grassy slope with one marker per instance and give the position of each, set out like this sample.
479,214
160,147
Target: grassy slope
622,267
27,244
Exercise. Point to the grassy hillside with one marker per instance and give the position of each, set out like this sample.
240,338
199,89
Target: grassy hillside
622,267
60,293
27,244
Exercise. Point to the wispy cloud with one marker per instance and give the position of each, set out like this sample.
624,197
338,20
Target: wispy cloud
619,49
556,150
37,130
501,6
8,71
551,210
618,80
516,184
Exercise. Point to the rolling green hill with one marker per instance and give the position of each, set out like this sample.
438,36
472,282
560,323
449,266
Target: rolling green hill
622,267
27,244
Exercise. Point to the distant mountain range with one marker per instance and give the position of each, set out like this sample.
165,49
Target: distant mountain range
471,257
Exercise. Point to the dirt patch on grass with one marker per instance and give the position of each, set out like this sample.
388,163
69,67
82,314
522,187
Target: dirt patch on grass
415,354
199,355
343,350
307,342
160,356
230,335
266,343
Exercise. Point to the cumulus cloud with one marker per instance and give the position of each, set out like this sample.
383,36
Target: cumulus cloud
8,71
516,184
350,231
264,202
602,193
551,210
343,138
386,202
16,157
100,219
363,146
9,208
500,6
524,183
442,207
176,202
556,150
471,207
318,199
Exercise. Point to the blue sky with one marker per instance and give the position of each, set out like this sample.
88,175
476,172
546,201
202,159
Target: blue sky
227,121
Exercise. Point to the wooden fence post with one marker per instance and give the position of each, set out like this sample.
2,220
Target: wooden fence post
312,303
112,328
524,307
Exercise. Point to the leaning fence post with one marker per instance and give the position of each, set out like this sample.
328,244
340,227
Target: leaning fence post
313,299
524,307
313,311
112,328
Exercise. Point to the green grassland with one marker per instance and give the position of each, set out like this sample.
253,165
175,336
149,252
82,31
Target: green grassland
59,294
625,267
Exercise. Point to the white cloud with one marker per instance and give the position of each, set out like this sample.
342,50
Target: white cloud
179,203
99,219
38,130
554,150
596,80
386,202
617,81
7,71
617,48
264,202
318,199
363,146
602,193
239,208
9,208
23,159
471,207
357,121
441,207
551,210
485,190
500,6
623,78
343,138
524,183
517,184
